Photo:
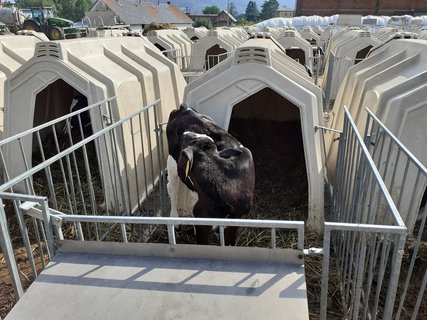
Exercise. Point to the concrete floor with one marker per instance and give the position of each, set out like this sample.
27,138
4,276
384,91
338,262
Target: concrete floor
132,285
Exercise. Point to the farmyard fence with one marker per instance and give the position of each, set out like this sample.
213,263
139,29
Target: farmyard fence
364,237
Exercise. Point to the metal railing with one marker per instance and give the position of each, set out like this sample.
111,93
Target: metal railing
404,175
110,172
406,179
39,225
176,56
364,235
212,60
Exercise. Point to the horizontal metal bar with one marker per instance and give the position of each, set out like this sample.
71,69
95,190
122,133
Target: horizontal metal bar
71,149
340,226
22,197
327,129
279,224
52,122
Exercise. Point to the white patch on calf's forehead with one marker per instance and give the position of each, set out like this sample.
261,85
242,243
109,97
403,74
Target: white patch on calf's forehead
199,135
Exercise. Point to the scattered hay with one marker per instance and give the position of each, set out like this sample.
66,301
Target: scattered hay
156,26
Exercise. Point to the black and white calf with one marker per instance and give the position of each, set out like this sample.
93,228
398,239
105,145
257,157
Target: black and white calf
218,172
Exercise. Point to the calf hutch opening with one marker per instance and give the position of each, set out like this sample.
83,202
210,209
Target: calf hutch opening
261,94
270,126
58,99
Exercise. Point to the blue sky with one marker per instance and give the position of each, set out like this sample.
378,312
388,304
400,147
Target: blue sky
198,6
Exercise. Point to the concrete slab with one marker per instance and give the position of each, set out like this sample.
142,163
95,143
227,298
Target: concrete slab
88,285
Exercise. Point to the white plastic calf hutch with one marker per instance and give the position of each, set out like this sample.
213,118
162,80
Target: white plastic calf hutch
297,47
345,51
261,83
213,48
391,82
175,44
308,34
195,34
240,33
275,31
14,51
384,34
128,68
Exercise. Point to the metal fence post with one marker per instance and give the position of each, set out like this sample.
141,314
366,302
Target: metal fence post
325,272
7,249
51,249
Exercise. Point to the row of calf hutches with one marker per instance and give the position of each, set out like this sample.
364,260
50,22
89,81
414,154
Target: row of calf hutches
347,48
258,83
175,44
391,82
128,68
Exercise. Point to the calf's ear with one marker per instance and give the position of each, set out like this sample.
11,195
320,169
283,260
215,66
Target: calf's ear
185,162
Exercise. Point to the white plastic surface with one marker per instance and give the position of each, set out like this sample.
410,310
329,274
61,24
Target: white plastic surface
224,38
292,39
176,40
195,34
343,51
14,51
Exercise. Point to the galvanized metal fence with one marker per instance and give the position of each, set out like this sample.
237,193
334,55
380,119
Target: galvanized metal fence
54,168
364,237
406,179
364,234
110,171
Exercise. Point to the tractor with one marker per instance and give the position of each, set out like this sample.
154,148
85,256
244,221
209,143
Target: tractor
42,19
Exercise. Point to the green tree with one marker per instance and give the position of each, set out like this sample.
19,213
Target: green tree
252,12
73,9
268,8
232,9
203,22
211,10
69,9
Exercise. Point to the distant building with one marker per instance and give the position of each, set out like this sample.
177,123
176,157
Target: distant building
283,13
222,19
136,13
